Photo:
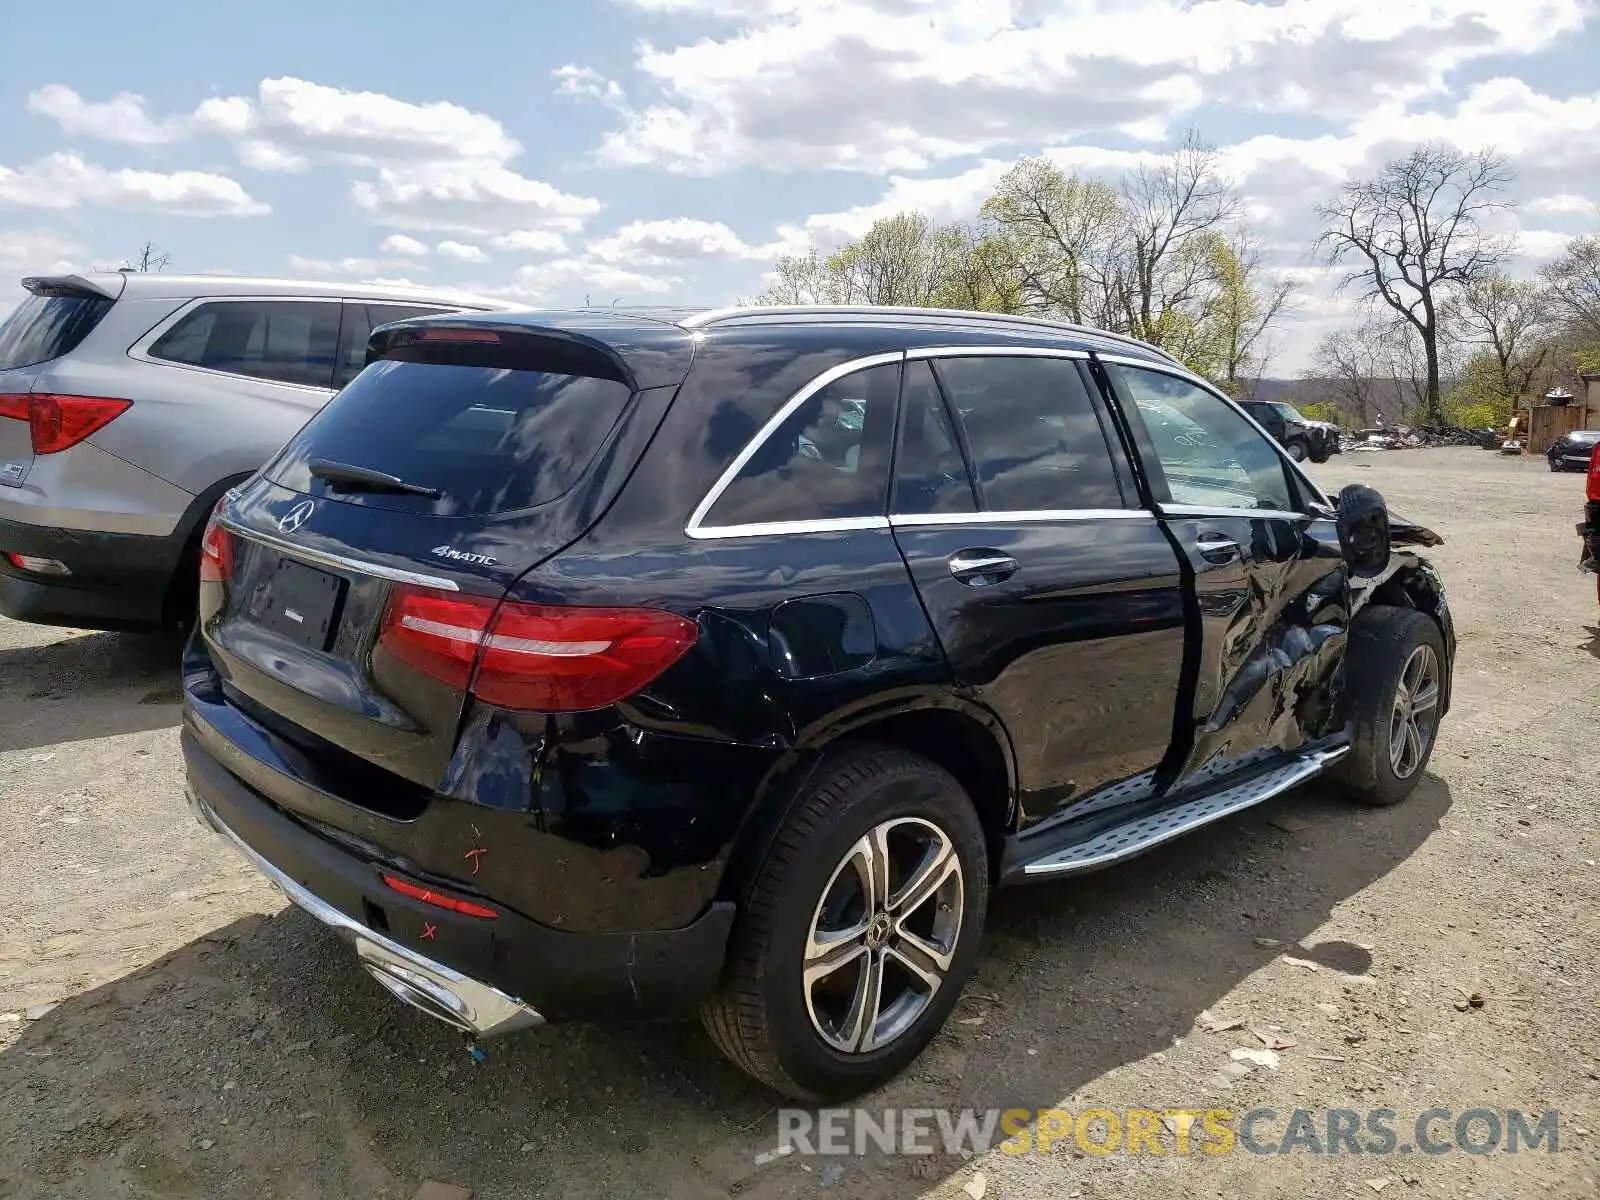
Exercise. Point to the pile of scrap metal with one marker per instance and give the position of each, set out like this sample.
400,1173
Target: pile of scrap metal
1412,437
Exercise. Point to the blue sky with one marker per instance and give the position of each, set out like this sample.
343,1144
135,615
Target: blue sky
668,150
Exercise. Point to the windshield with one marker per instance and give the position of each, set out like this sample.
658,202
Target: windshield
1288,412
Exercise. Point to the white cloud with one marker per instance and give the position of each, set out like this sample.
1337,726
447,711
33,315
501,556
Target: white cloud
535,241
405,247
571,280
119,119
301,118
38,251
1565,204
67,181
898,85
462,252
674,240
368,270
468,198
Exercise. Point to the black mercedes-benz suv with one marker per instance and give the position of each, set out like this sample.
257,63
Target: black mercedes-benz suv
588,663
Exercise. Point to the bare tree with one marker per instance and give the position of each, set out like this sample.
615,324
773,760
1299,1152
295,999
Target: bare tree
1411,236
1510,318
1573,281
151,257
1168,208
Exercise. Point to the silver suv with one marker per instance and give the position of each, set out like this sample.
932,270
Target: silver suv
130,402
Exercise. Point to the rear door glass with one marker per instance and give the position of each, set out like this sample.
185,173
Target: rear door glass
930,476
490,439
42,328
1036,442
285,341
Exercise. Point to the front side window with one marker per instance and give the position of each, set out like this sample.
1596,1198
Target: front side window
828,461
1208,452
1035,440
285,341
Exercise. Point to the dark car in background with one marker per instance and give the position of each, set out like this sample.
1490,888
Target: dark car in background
585,664
1302,437
1572,451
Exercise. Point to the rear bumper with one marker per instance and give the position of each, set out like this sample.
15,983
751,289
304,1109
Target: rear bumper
509,971
118,580
438,990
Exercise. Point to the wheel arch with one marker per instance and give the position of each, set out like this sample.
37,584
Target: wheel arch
963,738
191,525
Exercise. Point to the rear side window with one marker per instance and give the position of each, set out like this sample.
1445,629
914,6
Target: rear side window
490,439
1035,440
828,461
285,341
45,327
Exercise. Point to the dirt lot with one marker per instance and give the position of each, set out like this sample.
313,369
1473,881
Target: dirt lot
206,1042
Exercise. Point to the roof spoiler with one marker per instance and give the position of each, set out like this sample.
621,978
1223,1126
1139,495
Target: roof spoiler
104,287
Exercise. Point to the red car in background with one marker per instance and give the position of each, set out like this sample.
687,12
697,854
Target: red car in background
1589,530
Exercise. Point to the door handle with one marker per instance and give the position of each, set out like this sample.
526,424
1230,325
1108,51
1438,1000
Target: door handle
982,567
1217,548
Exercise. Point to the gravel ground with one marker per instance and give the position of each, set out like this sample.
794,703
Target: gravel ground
206,1042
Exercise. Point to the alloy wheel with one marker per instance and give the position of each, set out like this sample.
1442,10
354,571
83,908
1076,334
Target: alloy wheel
883,935
1416,712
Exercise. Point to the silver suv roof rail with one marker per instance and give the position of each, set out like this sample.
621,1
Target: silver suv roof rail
719,316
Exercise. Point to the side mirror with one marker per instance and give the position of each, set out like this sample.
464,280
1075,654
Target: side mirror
1363,522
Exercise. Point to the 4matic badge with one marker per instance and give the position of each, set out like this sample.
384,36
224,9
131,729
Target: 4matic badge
462,556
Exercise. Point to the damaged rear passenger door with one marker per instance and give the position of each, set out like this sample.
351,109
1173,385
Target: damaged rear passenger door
1269,585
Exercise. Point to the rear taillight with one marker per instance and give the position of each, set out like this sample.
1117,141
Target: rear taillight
1593,488
533,657
58,422
216,553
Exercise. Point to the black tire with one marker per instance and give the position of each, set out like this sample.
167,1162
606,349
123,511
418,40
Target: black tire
1321,458
1383,640
759,1017
1298,450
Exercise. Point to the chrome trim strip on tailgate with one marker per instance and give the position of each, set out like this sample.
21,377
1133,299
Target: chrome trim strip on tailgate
339,561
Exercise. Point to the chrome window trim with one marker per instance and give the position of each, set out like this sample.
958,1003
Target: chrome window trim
1216,510
778,528
995,352
140,350
1188,376
1022,516
696,529
339,561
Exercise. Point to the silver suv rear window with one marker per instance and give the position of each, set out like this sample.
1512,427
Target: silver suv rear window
45,327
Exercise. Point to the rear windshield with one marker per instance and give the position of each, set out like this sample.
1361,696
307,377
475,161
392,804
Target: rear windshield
489,439
46,327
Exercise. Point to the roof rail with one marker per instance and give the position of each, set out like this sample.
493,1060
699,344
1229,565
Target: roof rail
717,316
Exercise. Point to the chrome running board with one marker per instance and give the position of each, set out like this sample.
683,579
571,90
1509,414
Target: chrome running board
1149,829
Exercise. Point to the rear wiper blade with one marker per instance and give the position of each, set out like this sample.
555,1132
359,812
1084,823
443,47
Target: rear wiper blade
346,477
